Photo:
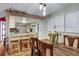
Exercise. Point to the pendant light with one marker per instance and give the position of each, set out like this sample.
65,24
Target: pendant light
44,10
41,6
44,13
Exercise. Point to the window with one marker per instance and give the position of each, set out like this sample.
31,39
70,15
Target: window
72,22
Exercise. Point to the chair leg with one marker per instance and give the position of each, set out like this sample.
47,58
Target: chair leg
32,52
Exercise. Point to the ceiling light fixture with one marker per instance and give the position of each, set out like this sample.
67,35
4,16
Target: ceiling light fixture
41,6
44,8
44,13
24,20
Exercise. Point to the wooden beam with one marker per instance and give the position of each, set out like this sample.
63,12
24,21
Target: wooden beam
22,14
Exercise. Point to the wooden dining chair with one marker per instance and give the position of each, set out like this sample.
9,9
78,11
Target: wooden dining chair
70,39
39,48
34,47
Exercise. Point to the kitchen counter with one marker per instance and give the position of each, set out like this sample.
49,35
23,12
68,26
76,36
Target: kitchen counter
21,34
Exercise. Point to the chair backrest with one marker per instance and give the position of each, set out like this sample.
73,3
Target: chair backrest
34,42
43,46
34,47
71,39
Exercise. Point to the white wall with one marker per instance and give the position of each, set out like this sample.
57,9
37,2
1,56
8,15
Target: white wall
51,24
72,22
43,29
66,20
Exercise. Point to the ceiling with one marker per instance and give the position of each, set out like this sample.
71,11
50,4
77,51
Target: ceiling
33,8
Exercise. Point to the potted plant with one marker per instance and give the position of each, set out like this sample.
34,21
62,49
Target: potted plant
54,37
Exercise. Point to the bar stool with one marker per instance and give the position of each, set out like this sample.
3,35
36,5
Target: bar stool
25,45
14,45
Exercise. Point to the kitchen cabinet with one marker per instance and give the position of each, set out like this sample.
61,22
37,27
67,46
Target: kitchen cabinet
12,22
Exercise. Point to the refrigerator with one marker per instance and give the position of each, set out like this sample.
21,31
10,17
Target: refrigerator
3,30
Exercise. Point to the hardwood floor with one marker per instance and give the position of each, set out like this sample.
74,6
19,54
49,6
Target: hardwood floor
63,50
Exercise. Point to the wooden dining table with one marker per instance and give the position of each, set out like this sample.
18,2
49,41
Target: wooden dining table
62,50
47,47
46,41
